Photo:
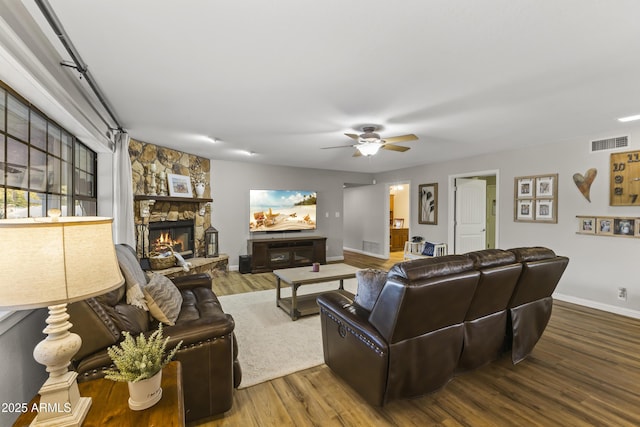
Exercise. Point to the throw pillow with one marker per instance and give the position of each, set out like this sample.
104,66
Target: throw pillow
135,296
370,284
134,277
163,298
429,249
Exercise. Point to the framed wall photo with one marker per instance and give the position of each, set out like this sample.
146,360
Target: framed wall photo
525,187
398,222
525,210
428,203
624,226
542,192
604,226
179,185
586,225
545,210
544,186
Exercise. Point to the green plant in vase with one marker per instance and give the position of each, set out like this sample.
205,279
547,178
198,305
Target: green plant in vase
139,358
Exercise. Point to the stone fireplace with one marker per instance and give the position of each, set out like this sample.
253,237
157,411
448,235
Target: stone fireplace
187,218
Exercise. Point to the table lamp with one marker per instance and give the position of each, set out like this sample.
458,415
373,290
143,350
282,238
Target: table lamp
55,261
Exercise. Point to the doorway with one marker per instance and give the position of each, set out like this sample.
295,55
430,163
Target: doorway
399,216
473,211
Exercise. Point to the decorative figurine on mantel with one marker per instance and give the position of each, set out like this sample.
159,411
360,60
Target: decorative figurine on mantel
152,179
162,181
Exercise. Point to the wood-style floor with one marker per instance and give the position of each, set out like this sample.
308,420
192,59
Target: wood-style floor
585,371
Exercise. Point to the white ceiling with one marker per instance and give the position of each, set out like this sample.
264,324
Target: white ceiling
284,79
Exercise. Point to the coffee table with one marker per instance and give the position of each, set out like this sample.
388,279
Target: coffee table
304,305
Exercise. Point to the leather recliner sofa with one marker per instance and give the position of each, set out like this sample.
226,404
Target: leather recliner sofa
208,353
435,317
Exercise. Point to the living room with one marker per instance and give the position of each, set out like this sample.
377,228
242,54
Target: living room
352,202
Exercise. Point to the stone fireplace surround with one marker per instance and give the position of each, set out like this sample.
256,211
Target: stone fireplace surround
164,208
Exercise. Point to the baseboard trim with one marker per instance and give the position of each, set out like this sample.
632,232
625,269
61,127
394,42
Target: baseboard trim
358,251
598,305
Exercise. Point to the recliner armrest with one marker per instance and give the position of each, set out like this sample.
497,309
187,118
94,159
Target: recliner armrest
192,281
354,317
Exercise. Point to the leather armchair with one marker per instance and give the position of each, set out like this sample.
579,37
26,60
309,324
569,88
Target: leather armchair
531,303
209,351
410,342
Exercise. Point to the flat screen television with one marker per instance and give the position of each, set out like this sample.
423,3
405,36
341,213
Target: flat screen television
282,210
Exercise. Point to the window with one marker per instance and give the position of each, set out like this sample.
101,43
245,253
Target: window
42,166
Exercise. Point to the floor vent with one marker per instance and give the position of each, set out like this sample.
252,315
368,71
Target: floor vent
609,143
370,247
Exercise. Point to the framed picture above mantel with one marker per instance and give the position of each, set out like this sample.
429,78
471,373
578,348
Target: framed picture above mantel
536,198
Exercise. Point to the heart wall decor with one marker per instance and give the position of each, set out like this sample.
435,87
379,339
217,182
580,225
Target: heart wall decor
583,182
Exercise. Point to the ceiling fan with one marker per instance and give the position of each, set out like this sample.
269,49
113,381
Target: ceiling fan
369,142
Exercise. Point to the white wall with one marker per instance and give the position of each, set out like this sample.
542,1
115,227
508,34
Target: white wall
230,185
21,376
366,223
598,264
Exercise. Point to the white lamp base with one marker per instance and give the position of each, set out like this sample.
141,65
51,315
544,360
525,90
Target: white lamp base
60,401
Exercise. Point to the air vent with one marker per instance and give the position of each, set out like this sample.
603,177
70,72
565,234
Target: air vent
609,143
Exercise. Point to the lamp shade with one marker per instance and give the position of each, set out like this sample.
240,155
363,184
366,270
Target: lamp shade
53,261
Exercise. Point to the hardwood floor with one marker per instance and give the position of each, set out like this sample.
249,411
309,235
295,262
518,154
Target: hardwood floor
584,371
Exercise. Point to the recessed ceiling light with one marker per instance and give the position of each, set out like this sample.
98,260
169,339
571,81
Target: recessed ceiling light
629,118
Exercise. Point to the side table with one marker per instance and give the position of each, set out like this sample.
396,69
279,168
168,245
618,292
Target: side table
109,405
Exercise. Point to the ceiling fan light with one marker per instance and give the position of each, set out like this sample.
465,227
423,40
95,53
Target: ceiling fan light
369,148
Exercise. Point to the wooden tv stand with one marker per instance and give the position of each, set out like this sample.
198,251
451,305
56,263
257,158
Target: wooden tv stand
272,254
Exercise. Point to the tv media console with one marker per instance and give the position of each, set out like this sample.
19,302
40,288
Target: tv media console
272,254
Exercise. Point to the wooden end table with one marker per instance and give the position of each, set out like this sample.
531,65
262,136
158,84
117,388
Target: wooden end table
304,305
109,405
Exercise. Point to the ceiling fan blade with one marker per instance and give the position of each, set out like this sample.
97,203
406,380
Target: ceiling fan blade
401,138
338,146
394,147
357,153
353,136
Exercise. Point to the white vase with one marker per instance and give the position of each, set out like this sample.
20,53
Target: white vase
200,189
145,393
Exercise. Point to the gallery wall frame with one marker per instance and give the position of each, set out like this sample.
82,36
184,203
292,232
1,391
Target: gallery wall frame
609,226
428,203
536,198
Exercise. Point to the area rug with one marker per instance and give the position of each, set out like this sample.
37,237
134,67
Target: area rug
270,344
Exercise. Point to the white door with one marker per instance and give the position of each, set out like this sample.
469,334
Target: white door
471,215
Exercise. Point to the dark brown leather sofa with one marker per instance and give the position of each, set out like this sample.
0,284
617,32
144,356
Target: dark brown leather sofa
209,351
410,342
485,323
438,316
531,303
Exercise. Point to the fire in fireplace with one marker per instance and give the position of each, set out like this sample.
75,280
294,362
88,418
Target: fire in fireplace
177,235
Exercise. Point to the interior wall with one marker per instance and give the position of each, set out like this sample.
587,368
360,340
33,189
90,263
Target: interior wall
21,376
598,264
230,185
366,219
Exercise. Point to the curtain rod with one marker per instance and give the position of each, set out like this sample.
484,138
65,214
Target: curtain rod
80,66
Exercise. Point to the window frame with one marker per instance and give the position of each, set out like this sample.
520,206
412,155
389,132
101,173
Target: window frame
58,183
